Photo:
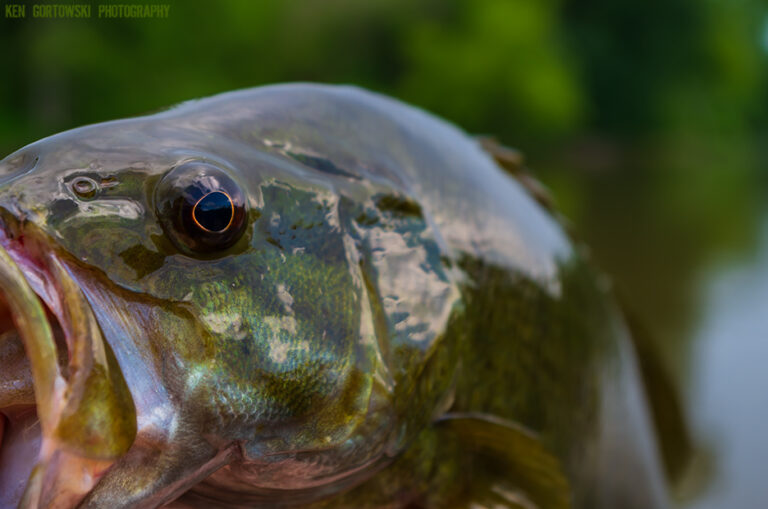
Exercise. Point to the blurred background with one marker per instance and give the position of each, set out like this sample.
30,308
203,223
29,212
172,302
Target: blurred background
646,119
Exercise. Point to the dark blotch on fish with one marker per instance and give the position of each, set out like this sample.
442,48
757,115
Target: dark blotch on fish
61,209
399,204
142,260
321,164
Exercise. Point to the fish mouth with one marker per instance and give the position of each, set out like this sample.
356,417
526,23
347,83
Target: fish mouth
83,416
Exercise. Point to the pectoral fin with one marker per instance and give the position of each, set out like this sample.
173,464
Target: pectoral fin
467,461
672,430
509,465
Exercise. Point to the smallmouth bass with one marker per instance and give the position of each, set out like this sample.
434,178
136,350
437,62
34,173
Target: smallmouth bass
304,296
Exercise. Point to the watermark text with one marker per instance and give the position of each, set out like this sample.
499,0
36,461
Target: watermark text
74,11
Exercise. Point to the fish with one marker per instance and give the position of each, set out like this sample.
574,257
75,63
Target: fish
308,295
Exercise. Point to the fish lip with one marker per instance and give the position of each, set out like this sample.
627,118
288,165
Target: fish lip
25,250
26,282
73,453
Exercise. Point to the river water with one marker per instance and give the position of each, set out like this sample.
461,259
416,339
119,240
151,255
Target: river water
727,392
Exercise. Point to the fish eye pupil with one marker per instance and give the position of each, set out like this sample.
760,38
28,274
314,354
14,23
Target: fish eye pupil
214,211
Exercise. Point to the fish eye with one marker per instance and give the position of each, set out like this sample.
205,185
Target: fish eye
201,208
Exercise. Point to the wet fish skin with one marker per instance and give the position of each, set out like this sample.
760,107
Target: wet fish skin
390,273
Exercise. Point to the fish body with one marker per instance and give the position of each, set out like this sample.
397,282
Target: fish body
305,295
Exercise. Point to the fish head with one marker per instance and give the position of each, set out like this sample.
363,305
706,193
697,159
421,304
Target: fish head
254,307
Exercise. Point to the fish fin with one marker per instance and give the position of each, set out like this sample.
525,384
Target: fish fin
676,444
513,162
153,474
508,158
532,477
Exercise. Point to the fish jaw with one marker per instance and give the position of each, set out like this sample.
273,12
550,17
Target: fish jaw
86,414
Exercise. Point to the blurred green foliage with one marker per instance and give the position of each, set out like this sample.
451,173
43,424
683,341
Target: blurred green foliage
534,72
644,116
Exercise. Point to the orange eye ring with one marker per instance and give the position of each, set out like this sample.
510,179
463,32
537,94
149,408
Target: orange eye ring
231,213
